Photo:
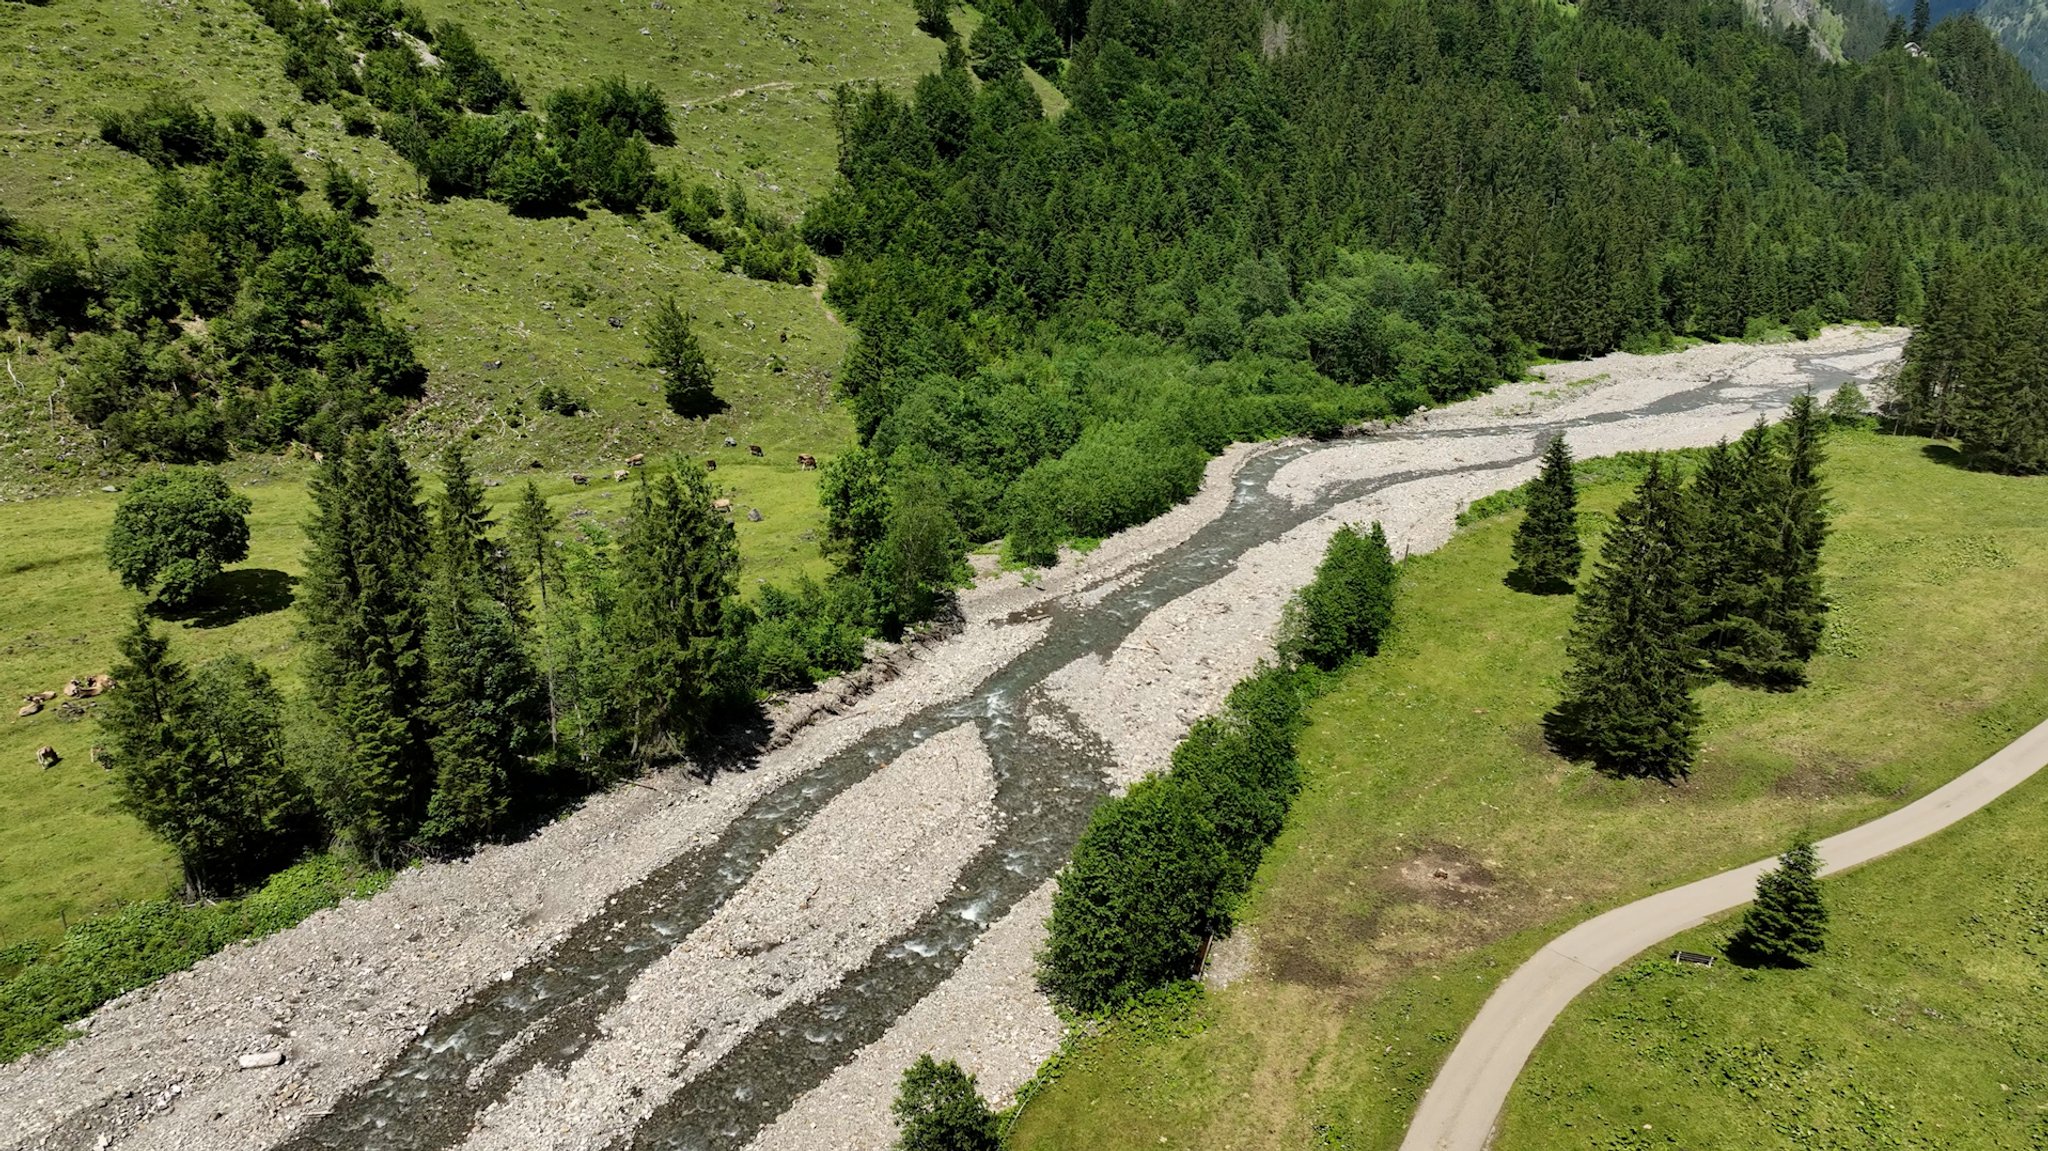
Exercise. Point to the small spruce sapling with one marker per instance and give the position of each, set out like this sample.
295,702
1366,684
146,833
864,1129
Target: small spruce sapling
1787,925
1547,550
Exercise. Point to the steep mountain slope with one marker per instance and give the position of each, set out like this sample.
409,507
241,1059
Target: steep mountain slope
2022,26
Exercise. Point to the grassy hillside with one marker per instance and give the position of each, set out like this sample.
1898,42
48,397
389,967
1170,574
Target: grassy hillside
749,86
1438,842
1925,1023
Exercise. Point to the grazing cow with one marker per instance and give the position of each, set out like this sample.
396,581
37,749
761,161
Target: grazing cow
578,478
47,757
721,505
731,443
807,463
620,475
755,450
636,459
710,465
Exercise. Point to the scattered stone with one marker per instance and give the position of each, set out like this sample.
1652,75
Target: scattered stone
260,1059
754,515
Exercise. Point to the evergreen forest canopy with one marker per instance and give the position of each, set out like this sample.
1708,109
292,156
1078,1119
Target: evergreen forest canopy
1249,223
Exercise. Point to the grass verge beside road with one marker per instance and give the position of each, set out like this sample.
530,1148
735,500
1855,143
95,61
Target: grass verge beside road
1924,1024
1437,842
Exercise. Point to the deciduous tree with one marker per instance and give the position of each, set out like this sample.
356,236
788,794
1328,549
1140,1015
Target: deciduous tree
174,529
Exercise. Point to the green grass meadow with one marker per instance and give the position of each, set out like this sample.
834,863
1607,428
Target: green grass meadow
1437,842
69,851
749,89
1924,1024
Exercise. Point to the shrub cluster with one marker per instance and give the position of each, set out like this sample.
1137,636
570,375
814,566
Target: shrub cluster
1160,870
244,319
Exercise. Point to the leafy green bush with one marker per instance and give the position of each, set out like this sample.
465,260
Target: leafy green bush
113,954
808,633
1349,606
1160,871
167,130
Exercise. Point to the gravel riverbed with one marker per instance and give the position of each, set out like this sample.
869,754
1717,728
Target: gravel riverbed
343,992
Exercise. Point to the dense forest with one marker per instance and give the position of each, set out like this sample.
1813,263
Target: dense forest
1250,223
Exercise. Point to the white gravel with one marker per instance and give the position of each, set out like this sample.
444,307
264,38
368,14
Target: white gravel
866,866
988,1016
342,993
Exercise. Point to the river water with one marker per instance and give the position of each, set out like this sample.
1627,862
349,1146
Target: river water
1048,778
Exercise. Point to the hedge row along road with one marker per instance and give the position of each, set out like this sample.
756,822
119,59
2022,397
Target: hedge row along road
1462,1106
752,961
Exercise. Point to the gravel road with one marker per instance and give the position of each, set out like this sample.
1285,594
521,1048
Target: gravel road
1090,672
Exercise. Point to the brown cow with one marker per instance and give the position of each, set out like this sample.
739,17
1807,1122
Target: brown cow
73,689
710,465
636,459
808,463
578,478
620,475
721,506
755,450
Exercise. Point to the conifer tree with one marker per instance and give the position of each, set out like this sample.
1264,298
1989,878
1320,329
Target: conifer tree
1787,924
364,617
673,349
1923,15
485,699
678,563
1736,511
1799,611
1628,703
531,538
199,760
1547,550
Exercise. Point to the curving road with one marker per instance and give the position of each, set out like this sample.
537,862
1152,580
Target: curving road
1463,1105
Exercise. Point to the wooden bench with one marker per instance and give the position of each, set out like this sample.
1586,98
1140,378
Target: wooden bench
1692,957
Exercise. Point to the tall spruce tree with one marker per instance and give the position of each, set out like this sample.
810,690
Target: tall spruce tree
364,617
1799,610
1546,549
531,536
1736,508
672,349
1628,703
487,704
1787,925
677,568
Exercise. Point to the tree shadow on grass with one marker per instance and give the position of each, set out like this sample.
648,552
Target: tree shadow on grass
1946,455
233,596
1521,581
